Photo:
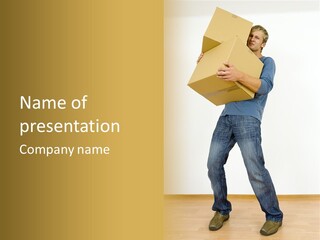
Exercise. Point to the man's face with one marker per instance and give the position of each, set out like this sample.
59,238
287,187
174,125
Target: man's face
255,40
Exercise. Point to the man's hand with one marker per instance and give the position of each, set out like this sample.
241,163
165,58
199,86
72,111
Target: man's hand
229,73
199,58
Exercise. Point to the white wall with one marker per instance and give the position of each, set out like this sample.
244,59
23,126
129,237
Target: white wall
290,127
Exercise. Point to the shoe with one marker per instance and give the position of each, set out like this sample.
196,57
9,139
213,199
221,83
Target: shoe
217,221
270,227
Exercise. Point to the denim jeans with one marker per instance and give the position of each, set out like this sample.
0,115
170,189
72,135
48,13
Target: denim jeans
246,132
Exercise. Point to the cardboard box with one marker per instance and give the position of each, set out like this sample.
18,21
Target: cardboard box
224,26
204,79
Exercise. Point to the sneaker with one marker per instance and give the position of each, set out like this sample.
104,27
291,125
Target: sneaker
270,227
217,221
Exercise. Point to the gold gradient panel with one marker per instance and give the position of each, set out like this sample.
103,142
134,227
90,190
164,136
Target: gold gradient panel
111,51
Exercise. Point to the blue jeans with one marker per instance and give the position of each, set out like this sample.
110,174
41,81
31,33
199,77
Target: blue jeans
246,132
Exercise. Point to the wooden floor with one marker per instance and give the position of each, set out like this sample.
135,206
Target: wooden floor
187,218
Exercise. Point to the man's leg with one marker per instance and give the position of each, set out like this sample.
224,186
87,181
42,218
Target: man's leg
248,136
221,144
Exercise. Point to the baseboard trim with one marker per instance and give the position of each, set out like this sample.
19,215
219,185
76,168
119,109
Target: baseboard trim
242,196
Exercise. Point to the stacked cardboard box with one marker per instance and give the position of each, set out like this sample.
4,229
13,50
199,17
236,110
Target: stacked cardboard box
225,41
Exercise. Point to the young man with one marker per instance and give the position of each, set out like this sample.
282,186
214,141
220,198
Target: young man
240,123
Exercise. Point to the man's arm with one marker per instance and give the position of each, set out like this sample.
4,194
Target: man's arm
230,73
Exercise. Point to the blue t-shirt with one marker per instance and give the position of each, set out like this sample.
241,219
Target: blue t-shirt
254,107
